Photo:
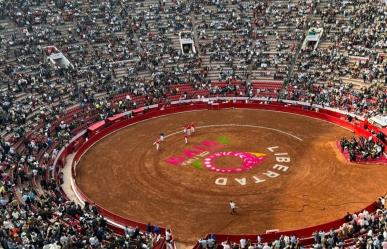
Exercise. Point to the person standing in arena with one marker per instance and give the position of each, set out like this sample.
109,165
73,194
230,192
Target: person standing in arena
187,130
192,127
157,144
233,207
162,137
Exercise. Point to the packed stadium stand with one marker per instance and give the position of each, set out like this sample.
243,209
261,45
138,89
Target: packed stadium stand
66,64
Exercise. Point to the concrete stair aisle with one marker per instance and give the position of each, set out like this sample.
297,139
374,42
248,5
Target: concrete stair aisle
208,16
183,19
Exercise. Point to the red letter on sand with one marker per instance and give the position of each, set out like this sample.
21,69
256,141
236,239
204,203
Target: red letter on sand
175,160
212,145
191,153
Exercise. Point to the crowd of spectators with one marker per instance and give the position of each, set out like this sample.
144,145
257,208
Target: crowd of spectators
126,54
361,148
348,68
281,242
362,230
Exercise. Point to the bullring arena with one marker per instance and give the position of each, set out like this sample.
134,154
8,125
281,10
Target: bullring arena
204,124
300,180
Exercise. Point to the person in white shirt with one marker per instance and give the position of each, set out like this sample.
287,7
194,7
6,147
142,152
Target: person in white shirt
157,143
168,235
242,243
266,246
233,207
210,243
259,239
203,243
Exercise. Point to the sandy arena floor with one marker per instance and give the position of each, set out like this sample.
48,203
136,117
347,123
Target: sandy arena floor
307,183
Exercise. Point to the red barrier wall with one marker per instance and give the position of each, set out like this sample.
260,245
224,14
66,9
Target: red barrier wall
95,134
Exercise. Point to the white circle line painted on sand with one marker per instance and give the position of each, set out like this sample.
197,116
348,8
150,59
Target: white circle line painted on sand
297,114
238,125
